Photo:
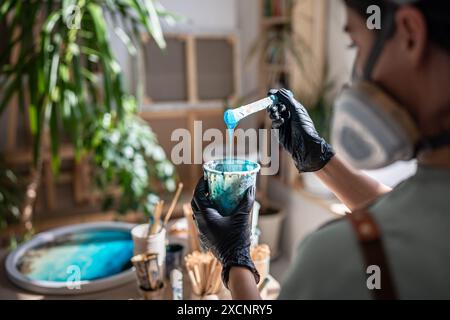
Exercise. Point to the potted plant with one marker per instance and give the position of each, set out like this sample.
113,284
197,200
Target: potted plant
59,63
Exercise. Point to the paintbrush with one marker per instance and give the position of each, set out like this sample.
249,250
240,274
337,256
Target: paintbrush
174,203
156,218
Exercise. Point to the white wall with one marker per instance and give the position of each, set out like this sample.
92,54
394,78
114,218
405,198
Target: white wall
303,216
248,22
205,14
339,56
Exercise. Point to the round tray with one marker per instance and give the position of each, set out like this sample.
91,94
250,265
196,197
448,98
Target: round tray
68,287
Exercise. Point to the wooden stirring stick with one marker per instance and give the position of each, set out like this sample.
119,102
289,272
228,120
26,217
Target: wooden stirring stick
173,204
156,217
210,274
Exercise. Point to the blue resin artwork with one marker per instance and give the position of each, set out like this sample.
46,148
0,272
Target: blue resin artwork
228,179
96,254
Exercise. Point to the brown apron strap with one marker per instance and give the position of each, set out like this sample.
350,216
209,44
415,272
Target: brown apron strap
372,248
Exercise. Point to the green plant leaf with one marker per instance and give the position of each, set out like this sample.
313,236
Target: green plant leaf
149,18
126,40
10,89
54,138
76,88
5,7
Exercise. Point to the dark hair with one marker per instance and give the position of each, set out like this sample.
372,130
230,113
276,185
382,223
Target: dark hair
436,13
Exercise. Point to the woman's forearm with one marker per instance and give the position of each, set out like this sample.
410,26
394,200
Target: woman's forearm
354,188
241,283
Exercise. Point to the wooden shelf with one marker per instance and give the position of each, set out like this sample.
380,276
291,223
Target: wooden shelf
198,67
308,19
25,156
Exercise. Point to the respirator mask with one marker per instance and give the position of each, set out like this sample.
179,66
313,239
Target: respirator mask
370,129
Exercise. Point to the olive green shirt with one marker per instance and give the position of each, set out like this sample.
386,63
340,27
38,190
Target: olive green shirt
414,220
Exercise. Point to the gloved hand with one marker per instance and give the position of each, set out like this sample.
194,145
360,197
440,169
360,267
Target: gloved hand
227,237
297,133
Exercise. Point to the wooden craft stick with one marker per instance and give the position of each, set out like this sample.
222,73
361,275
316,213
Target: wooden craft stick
218,279
211,269
195,287
198,277
204,272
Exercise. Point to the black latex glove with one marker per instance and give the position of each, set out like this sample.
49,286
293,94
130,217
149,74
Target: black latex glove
227,237
297,133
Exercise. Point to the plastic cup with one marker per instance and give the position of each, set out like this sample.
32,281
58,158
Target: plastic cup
155,243
228,180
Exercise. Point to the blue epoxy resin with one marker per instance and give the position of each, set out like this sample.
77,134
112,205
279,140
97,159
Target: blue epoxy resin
97,253
228,180
230,149
233,116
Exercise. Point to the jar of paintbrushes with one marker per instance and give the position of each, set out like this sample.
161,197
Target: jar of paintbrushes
150,238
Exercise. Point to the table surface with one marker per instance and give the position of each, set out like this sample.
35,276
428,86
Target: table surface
9,291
